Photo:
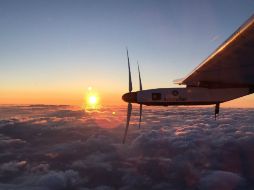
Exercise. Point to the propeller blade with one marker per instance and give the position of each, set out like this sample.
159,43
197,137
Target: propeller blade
130,82
140,82
128,121
140,115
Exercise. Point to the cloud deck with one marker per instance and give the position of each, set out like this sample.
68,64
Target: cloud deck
62,147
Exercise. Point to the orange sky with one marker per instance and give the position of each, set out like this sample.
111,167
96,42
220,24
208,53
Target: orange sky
55,97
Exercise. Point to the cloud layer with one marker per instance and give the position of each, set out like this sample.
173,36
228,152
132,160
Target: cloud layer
63,147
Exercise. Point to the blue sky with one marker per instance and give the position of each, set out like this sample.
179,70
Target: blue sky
70,45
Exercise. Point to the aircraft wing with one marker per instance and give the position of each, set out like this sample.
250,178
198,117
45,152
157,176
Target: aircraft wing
230,65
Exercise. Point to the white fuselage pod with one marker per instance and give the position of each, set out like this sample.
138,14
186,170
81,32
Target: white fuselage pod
189,96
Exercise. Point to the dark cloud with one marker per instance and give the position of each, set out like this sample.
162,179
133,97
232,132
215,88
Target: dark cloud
59,180
63,147
222,180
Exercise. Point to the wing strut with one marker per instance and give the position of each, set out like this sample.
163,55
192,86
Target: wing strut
217,110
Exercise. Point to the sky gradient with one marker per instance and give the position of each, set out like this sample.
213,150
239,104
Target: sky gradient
52,51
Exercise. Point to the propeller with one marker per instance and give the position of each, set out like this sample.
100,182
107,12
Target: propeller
140,82
129,109
140,115
127,121
130,82
140,88
131,97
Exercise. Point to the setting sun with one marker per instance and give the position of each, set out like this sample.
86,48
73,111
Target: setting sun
92,100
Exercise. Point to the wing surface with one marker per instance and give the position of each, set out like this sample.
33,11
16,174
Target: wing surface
230,65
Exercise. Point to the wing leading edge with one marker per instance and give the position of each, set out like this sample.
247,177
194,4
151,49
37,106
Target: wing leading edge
231,64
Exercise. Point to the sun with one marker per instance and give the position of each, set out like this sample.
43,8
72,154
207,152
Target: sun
92,99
